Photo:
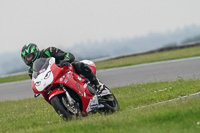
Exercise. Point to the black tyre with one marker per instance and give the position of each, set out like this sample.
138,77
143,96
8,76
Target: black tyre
111,104
59,107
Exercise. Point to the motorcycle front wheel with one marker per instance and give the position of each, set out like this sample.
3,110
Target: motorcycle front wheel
62,107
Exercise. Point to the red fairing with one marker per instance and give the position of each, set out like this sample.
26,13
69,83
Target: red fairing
67,78
57,71
76,83
55,92
93,68
86,100
34,88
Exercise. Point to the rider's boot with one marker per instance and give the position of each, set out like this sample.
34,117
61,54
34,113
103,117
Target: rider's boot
95,81
99,85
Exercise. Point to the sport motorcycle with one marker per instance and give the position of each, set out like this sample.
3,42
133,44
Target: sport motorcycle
69,93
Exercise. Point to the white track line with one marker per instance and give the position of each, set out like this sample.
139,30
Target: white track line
176,99
151,63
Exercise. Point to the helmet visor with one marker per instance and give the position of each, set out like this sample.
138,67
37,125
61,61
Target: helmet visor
29,57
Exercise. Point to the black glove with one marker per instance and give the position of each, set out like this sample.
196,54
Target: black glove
64,63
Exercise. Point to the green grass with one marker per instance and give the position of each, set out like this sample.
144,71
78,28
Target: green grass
14,78
132,60
154,57
182,116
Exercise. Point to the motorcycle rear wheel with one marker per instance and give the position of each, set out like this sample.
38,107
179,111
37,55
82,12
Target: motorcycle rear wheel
111,105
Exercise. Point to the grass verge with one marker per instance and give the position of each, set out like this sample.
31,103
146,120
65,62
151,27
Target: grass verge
147,58
182,116
14,78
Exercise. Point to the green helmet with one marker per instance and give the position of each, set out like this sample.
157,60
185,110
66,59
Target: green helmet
30,53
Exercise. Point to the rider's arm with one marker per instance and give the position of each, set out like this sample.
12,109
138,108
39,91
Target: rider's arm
59,54
30,72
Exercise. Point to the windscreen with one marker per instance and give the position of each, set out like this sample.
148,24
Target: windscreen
39,66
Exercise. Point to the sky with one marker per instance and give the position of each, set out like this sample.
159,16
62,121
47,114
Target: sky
64,23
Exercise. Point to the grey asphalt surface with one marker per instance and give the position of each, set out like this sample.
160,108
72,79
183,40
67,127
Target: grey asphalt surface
150,72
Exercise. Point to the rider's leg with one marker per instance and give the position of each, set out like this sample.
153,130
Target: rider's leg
84,69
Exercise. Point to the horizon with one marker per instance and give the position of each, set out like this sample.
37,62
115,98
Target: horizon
100,41
109,48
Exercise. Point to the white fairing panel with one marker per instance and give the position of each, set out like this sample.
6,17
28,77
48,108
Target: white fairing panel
45,77
93,104
89,62
105,92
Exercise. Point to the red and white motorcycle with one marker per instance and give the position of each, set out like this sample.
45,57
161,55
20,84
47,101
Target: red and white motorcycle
70,94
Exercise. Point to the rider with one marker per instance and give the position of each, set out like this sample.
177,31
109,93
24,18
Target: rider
30,53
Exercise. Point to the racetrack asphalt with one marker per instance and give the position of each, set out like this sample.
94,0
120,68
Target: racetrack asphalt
150,72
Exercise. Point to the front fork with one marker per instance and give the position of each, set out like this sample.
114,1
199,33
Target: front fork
69,98
70,103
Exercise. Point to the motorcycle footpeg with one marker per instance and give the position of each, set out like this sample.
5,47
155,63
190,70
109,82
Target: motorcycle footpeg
36,95
86,81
